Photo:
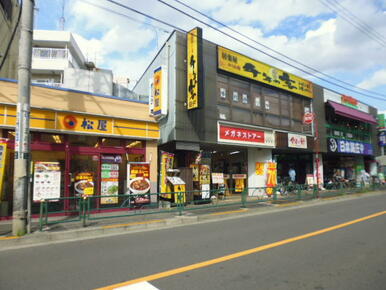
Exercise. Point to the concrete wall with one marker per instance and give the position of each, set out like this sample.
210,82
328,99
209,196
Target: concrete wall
95,81
320,112
257,155
7,25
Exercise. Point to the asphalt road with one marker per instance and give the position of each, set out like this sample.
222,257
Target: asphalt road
351,257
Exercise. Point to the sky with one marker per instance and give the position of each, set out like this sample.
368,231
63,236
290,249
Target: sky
345,40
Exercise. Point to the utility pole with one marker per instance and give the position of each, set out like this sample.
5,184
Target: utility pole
22,142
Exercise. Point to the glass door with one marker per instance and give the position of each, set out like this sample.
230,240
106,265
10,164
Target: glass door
84,176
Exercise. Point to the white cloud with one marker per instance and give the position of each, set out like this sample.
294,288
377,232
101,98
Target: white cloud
376,80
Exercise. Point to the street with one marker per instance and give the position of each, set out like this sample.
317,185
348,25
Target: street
352,256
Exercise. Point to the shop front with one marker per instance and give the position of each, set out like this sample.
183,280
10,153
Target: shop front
77,154
350,137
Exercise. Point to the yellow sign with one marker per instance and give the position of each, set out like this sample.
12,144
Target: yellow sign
192,69
242,65
239,185
88,191
81,123
3,157
260,168
157,86
179,193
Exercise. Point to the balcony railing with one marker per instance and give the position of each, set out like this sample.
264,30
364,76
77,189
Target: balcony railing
51,53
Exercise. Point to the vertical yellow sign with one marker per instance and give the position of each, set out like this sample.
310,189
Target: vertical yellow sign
192,69
3,157
157,86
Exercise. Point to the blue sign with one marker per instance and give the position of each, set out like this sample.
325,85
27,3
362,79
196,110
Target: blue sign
382,138
347,146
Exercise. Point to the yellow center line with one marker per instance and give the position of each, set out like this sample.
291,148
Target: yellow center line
132,224
288,204
228,212
9,238
240,254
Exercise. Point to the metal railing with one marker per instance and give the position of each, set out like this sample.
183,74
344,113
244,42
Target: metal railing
88,208
51,53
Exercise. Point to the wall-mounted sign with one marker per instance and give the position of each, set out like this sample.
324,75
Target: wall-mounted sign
158,103
348,146
260,167
233,134
308,118
381,121
242,65
193,68
345,100
349,101
81,123
217,178
297,141
382,138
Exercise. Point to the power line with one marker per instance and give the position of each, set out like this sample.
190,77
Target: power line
234,38
363,23
279,53
125,16
353,23
276,58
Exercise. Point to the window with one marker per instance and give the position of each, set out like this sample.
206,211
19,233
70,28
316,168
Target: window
271,97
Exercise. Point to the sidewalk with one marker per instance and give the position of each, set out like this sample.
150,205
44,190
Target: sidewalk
120,225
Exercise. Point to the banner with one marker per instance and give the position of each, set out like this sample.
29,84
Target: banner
167,160
3,158
242,65
109,182
271,176
46,183
204,174
193,68
159,100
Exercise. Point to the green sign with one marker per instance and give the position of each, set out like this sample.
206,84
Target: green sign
381,121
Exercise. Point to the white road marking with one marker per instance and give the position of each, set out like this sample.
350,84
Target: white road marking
138,286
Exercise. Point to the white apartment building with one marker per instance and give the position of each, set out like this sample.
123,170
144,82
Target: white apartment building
58,61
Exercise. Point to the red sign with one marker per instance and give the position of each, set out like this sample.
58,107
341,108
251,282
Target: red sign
308,118
349,101
241,134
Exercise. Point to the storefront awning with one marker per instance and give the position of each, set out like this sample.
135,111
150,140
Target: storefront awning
347,112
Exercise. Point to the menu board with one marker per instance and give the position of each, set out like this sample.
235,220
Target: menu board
109,183
46,180
217,178
138,175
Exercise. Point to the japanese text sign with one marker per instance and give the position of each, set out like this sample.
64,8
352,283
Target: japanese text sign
231,134
242,65
193,68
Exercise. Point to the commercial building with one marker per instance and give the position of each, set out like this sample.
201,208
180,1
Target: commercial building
81,143
9,42
223,113
381,158
348,137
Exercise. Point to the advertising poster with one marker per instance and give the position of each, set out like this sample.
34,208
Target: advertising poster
46,183
138,180
109,182
178,187
3,158
84,183
196,172
217,178
204,174
260,166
